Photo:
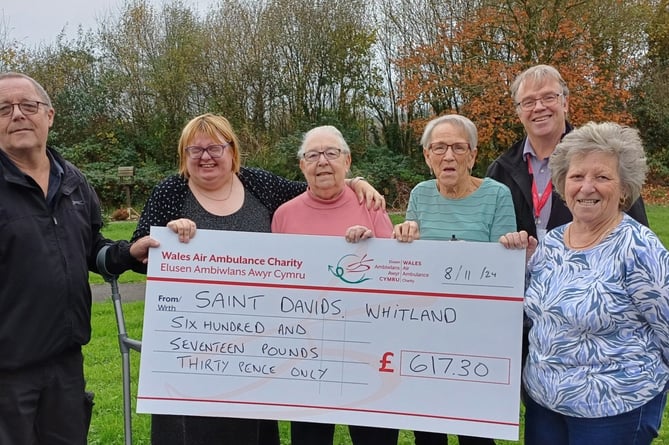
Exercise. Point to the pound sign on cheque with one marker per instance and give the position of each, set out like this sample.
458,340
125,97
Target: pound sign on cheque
386,362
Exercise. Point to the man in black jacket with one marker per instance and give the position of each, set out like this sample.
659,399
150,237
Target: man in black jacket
541,97
50,237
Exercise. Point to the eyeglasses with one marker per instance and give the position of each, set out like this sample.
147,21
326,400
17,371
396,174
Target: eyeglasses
547,100
27,107
458,148
330,154
214,150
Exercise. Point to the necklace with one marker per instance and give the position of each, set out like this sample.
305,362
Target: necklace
591,243
218,199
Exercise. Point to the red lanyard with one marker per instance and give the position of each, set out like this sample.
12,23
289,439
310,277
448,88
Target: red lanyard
538,203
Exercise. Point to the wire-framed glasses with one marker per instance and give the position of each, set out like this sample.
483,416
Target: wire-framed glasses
26,107
214,150
330,153
547,100
459,148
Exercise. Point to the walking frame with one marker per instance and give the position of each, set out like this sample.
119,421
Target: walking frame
125,344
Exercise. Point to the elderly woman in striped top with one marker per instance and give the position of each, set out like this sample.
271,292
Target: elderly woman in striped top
455,206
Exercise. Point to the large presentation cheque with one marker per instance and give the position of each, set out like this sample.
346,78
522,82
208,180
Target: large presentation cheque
420,336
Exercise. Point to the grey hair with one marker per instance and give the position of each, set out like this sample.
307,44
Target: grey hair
608,137
39,89
456,120
330,129
538,74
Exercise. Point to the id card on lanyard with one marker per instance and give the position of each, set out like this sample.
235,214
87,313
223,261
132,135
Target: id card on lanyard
538,203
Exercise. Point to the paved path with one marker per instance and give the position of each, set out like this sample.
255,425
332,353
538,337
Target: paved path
128,291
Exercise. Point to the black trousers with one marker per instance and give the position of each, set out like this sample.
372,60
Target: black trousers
365,435
307,433
45,404
194,430
425,438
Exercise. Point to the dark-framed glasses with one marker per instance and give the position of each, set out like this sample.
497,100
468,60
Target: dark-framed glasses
547,100
214,150
459,148
27,107
330,153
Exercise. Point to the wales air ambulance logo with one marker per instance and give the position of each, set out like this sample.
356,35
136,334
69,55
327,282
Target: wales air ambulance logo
351,268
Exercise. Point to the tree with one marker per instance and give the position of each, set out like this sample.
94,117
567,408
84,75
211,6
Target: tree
11,51
241,78
650,104
483,45
323,53
69,71
153,62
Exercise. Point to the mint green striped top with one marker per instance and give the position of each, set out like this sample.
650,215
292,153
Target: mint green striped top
485,215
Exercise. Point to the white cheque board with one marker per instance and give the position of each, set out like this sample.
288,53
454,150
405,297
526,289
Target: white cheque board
420,336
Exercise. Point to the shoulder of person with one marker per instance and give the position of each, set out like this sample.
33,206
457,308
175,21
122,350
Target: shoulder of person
64,163
172,187
568,128
288,207
173,181
509,158
496,185
255,173
427,184
638,212
296,201
69,168
642,231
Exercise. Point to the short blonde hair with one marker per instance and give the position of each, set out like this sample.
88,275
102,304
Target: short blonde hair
213,126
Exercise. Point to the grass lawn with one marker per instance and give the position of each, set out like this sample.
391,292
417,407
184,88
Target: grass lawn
103,359
658,219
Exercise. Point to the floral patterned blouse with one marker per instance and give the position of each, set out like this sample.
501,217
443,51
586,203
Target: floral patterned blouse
599,341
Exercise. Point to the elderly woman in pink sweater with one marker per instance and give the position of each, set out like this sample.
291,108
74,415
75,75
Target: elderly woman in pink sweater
329,207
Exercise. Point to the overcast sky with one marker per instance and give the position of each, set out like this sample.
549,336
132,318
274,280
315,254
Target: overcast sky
39,21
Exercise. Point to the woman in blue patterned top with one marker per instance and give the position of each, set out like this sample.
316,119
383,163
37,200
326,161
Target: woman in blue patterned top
455,205
598,301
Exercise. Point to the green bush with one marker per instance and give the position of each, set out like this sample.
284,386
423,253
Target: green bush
393,174
280,159
100,162
658,167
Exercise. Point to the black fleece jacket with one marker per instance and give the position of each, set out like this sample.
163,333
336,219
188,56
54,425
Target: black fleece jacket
510,168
